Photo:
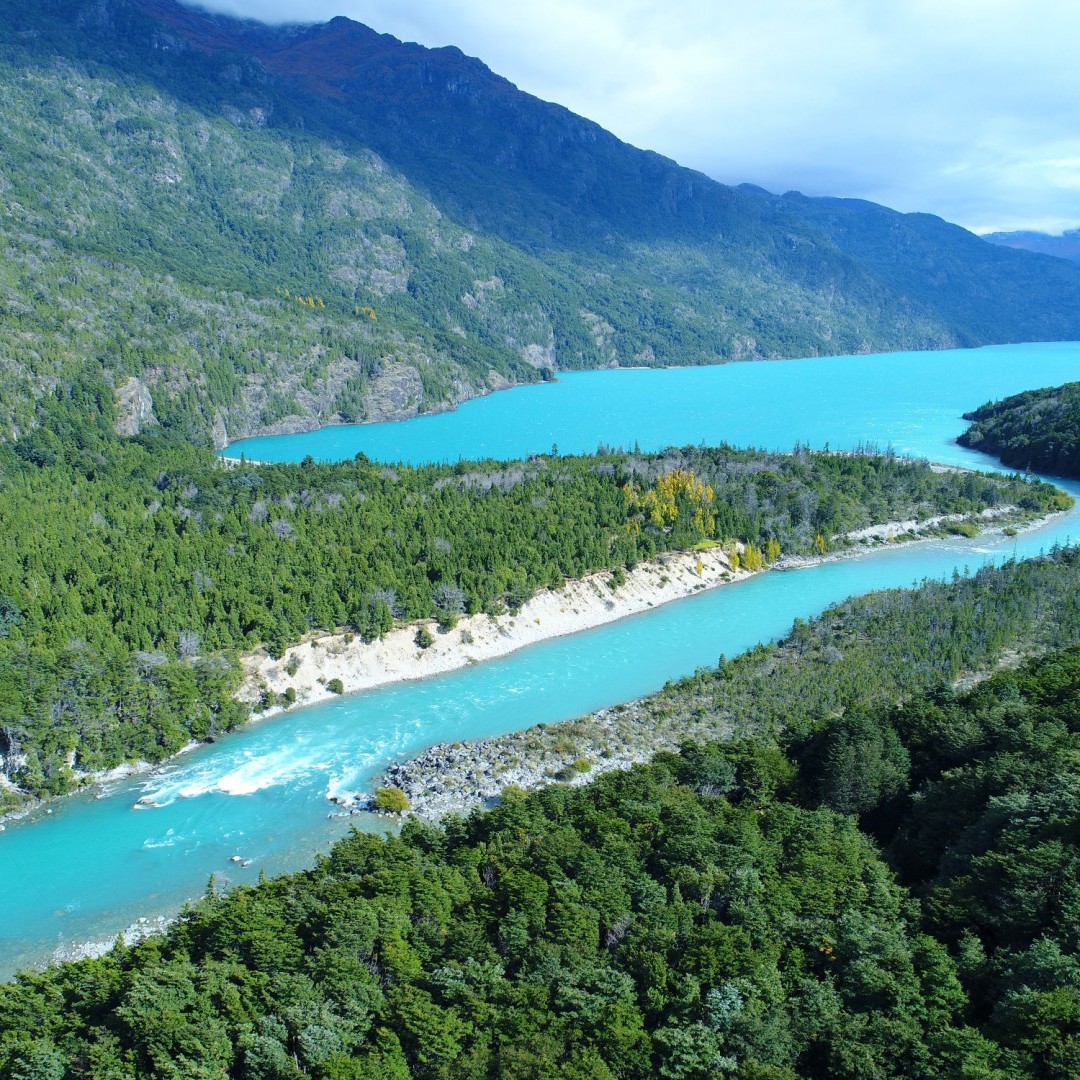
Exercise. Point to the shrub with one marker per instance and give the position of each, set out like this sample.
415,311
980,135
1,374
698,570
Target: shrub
424,637
336,686
517,596
962,528
391,800
449,601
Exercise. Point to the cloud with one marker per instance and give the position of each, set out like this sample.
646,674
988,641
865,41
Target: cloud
964,109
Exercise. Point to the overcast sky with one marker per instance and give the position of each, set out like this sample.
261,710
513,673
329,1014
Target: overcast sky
964,108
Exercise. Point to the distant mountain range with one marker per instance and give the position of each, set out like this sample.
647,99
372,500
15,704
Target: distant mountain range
248,229
1065,246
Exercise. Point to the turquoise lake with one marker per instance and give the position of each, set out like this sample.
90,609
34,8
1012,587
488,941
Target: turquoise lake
911,401
95,864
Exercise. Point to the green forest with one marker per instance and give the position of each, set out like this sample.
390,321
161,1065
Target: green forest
134,569
880,888
1037,430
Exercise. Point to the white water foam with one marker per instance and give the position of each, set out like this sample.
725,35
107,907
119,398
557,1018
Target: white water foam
251,770
166,841
355,773
255,772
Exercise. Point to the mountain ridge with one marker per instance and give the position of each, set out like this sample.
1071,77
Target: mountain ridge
443,232
1063,246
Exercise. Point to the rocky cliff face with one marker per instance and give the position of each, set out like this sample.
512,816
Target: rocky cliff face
134,407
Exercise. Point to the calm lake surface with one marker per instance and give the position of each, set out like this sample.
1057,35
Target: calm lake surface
911,401
95,864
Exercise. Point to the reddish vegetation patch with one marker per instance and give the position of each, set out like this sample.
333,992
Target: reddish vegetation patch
323,56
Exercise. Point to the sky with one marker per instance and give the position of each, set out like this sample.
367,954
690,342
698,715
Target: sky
966,109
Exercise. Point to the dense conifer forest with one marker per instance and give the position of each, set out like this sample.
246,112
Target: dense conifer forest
1037,430
881,889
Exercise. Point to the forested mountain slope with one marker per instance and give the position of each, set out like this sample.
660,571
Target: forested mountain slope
978,289
249,229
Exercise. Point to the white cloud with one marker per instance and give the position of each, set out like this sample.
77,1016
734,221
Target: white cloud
951,108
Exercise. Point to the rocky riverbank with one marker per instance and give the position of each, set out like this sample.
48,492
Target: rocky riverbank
459,777
132,935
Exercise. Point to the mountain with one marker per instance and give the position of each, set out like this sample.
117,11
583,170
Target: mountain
954,276
1065,246
248,229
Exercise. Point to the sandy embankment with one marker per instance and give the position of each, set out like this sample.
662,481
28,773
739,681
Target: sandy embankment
311,665
579,605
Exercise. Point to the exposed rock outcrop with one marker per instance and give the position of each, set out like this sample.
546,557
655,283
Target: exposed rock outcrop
134,408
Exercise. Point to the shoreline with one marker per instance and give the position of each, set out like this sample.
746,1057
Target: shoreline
92,949
581,604
456,778
309,667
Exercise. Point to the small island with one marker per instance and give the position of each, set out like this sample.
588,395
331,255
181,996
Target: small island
1036,431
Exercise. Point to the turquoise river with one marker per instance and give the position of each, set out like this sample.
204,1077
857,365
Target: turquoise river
93,864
